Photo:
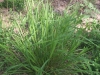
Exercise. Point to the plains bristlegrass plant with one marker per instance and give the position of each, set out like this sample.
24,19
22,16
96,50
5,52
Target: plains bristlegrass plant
51,46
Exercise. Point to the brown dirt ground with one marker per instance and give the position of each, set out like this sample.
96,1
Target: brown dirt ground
58,5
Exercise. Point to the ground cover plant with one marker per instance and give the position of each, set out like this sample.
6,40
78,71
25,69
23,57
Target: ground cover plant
47,43
14,4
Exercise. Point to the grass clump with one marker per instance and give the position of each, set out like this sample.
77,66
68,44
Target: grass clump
50,47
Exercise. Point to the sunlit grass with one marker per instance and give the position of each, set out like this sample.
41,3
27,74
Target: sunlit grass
51,46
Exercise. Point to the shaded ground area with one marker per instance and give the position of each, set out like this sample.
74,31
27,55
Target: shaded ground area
97,4
60,5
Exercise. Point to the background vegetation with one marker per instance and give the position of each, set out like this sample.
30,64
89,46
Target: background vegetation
14,4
